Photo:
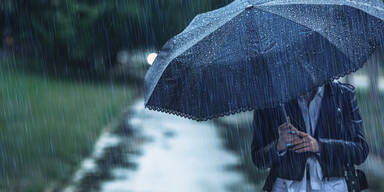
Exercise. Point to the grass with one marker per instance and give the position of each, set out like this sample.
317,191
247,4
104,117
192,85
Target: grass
48,126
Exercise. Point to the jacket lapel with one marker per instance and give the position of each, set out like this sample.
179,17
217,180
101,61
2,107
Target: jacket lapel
321,119
294,112
325,109
297,120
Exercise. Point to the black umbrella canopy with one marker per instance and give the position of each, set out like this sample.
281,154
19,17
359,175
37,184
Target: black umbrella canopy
256,54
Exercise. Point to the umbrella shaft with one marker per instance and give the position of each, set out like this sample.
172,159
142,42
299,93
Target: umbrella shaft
282,105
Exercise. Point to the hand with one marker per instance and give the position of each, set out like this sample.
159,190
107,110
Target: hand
287,136
306,144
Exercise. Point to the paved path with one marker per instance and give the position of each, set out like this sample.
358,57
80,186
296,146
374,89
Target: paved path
179,155
170,153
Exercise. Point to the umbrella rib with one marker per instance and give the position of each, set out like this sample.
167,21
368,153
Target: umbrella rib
300,25
262,7
342,3
173,56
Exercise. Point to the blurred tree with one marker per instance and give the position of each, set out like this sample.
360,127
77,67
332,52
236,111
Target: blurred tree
86,34
373,63
60,32
5,27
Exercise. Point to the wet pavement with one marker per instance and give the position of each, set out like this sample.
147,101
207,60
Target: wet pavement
152,151
159,152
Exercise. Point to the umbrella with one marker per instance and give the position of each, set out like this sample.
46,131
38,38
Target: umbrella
258,54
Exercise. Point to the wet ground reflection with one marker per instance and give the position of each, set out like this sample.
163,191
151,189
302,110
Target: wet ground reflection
163,153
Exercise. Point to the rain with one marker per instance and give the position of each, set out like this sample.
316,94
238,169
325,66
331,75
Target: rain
191,95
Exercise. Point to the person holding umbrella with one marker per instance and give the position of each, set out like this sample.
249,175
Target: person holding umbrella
317,148
261,55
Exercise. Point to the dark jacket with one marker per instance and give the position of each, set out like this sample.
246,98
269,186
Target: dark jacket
339,132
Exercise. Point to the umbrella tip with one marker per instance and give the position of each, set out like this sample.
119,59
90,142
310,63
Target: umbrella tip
249,5
256,2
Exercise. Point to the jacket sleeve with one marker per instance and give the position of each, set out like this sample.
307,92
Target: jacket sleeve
353,148
264,143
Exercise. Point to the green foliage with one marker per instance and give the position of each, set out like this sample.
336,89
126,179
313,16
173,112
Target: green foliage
54,30
76,33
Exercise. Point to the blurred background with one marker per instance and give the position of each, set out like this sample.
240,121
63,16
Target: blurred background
71,104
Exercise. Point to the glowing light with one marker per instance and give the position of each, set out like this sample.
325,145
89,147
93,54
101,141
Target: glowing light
151,58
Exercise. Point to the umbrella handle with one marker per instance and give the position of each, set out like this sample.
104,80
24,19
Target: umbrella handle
282,105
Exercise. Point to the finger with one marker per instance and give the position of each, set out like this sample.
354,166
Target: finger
291,127
298,133
297,142
292,138
284,126
307,139
293,131
284,130
283,134
300,146
301,134
281,130
285,139
305,149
